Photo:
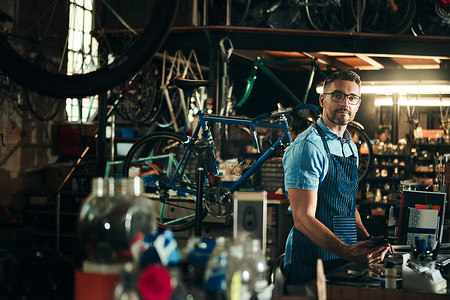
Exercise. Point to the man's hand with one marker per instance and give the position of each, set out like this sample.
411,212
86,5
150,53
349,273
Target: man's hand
363,252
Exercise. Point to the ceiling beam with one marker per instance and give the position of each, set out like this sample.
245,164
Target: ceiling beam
370,61
307,40
331,61
387,63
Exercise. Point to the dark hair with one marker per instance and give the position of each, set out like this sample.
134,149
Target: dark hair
342,75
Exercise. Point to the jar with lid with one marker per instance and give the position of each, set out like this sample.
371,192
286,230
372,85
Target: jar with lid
113,216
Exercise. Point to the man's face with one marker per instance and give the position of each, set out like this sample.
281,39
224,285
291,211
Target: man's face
340,113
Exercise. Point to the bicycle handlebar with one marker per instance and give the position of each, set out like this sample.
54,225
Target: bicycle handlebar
297,108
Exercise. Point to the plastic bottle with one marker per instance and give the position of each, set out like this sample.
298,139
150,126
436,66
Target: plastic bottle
216,269
255,256
241,274
390,274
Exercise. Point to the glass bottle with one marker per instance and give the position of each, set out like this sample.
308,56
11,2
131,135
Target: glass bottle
113,216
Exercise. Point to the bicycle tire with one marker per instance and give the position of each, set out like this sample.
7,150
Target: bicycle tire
433,19
392,17
365,150
43,108
139,96
165,118
148,158
124,66
326,15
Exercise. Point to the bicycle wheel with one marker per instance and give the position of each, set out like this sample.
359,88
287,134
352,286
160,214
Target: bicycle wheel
433,19
38,32
155,158
393,16
165,119
43,108
139,95
324,15
365,151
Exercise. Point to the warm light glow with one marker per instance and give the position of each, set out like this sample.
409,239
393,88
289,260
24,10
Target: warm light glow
411,88
405,101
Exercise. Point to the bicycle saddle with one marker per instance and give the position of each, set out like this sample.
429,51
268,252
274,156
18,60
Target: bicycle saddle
190,84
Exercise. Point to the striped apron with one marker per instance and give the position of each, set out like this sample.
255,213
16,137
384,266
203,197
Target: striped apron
336,210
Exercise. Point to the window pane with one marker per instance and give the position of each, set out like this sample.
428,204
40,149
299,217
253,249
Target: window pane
87,21
88,4
79,18
82,56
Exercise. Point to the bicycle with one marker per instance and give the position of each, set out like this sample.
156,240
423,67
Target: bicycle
116,61
434,18
374,16
165,161
356,129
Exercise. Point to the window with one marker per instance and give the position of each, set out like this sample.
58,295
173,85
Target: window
81,57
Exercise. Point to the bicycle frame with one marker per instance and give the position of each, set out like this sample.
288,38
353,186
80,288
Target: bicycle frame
261,64
281,124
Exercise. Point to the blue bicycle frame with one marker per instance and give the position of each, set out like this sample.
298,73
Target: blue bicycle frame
280,124
284,140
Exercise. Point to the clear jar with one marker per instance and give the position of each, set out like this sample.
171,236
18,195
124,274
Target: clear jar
113,216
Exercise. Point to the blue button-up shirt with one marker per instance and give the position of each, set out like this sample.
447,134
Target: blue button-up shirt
305,160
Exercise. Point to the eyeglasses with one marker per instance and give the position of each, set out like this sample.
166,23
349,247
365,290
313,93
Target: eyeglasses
339,97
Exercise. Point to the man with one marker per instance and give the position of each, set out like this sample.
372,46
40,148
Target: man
321,179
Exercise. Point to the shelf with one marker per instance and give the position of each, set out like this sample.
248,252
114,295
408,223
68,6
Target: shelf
74,193
125,140
425,172
385,178
51,212
430,145
388,166
51,233
392,155
252,38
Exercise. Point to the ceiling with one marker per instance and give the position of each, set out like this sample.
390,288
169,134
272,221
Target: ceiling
345,60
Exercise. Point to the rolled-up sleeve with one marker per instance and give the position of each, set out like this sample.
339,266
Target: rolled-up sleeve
304,166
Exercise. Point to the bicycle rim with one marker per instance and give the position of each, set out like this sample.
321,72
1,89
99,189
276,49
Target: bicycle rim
332,15
155,158
433,19
139,97
365,151
393,17
43,108
165,118
40,35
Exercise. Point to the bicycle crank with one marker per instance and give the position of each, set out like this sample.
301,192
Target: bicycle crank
219,202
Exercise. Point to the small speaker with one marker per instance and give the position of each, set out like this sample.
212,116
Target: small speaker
250,216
